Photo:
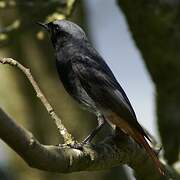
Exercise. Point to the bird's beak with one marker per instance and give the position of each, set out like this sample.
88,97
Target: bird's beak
45,26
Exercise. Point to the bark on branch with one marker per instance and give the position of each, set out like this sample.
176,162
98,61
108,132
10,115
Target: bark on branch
112,151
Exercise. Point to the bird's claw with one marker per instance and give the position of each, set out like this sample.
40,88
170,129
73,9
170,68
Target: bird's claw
158,150
78,146
74,145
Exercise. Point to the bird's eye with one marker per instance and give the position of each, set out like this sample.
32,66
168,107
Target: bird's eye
57,28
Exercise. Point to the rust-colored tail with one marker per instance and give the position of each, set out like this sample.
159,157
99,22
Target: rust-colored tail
142,141
138,134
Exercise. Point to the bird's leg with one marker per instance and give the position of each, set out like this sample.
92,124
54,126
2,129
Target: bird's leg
88,139
101,122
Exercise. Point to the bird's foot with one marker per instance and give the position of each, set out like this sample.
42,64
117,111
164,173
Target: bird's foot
158,150
78,145
75,145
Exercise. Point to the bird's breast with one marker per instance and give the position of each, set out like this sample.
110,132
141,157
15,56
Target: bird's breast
73,86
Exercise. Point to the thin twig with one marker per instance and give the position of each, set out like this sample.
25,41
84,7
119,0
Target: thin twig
70,7
62,130
64,13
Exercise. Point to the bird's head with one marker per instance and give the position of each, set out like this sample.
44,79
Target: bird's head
63,30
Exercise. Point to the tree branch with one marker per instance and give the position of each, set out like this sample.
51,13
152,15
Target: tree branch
62,130
112,151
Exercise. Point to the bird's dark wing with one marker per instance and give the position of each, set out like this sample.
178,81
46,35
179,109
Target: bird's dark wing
100,84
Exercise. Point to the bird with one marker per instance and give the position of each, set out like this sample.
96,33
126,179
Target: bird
88,79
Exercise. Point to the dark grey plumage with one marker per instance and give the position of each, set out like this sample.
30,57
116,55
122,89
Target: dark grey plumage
84,73
89,80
